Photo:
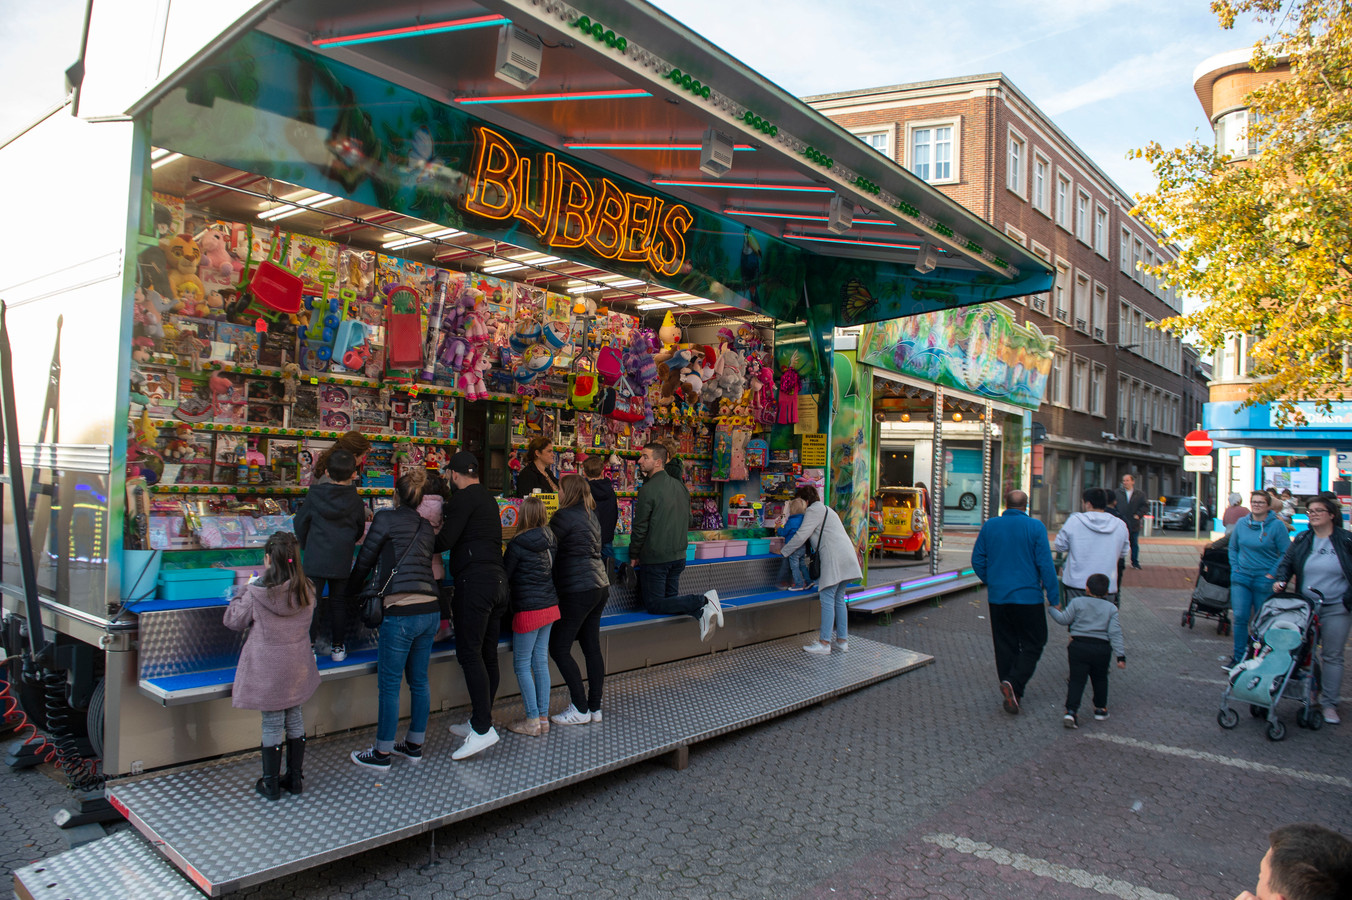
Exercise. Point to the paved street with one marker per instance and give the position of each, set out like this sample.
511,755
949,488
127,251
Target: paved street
917,787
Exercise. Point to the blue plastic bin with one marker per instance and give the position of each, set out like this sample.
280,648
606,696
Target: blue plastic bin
195,584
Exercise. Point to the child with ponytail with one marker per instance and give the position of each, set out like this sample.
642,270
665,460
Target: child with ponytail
276,671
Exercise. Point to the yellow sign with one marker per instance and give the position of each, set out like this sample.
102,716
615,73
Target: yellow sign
813,455
551,502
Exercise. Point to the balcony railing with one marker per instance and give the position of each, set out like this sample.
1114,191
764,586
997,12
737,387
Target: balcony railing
1040,304
1062,315
1099,334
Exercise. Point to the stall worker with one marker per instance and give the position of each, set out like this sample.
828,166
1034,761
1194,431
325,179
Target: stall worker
535,475
353,442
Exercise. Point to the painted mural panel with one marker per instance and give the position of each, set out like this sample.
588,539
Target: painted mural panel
851,455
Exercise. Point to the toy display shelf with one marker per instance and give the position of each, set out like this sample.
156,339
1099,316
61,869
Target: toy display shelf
270,490
703,495
278,431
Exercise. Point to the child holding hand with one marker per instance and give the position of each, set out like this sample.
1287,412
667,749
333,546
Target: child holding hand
1095,634
276,671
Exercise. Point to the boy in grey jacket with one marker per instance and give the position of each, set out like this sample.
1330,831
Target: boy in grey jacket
1095,634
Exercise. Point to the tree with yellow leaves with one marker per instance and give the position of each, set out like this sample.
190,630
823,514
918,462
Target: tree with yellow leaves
1266,243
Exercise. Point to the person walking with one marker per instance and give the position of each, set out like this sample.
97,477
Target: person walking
840,566
472,531
1093,540
536,474
276,672
399,545
1234,512
1132,506
658,541
1256,546
580,579
1319,563
328,525
529,561
1013,558
1095,635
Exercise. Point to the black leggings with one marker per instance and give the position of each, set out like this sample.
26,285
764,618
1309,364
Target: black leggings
333,607
581,622
478,604
1089,659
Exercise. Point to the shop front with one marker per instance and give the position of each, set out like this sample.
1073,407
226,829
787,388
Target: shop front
321,241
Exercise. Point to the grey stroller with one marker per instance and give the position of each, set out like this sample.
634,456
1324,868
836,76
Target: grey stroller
1279,662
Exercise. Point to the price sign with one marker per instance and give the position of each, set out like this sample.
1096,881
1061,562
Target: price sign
814,451
551,502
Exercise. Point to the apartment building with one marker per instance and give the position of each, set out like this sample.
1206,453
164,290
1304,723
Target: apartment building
1121,394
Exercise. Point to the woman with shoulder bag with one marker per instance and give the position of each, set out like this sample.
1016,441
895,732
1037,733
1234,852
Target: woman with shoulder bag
839,562
399,546
583,588
1319,563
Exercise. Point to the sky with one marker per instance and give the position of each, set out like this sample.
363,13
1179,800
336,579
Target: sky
1113,74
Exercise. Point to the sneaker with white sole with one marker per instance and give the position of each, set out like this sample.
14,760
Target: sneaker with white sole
411,752
706,622
1100,715
571,716
476,743
712,597
461,729
596,716
339,653
1070,720
842,646
1331,716
371,759
817,648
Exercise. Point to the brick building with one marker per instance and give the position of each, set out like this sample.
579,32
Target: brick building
1121,394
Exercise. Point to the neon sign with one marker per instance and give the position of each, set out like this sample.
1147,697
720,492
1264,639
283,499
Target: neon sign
565,209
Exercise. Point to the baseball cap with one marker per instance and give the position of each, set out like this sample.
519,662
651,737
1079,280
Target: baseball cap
464,462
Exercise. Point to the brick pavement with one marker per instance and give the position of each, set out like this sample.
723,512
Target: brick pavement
893,791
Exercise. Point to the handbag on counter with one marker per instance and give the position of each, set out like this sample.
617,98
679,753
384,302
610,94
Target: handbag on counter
373,598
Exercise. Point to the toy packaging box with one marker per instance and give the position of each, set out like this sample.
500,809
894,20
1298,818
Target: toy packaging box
367,411
335,408
230,449
316,262
238,344
305,411
378,471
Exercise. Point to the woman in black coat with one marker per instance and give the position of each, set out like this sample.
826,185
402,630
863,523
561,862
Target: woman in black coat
535,475
535,608
580,578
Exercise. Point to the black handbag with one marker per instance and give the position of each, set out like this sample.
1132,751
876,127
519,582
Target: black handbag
373,598
814,553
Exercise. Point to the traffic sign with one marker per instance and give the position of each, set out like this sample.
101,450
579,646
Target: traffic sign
1197,464
1198,443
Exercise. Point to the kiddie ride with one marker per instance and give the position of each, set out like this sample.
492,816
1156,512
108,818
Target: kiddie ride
901,521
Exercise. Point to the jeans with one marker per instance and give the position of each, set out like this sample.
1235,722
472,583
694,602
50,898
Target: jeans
1089,659
657,587
1334,621
281,724
1019,631
404,651
581,622
1247,593
1135,537
332,608
478,605
530,660
834,613
795,565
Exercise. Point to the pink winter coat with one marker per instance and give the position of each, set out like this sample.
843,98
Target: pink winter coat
430,509
276,668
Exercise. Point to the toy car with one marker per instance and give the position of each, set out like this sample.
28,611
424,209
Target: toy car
905,528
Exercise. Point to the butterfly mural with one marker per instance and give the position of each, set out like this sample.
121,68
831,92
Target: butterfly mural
855,301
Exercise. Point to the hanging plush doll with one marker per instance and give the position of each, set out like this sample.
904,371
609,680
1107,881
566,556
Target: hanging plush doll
789,383
472,375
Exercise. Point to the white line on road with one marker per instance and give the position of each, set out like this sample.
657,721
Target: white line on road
1218,682
1046,869
1203,756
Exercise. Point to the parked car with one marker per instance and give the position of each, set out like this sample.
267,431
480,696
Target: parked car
1177,512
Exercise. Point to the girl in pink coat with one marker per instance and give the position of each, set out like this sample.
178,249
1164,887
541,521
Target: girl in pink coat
276,671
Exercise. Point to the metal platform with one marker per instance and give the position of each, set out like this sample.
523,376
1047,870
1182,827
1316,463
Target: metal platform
209,823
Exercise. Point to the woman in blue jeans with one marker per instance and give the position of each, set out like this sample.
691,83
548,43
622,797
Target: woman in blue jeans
1257,544
840,567
399,548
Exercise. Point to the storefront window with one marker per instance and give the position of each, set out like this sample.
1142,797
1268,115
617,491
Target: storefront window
1065,487
1302,475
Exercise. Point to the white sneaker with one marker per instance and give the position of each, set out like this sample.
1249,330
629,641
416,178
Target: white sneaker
1331,716
475,743
706,619
571,716
595,716
712,597
461,729
842,646
339,653
817,648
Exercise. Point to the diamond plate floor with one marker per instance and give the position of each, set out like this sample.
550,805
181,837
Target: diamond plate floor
211,825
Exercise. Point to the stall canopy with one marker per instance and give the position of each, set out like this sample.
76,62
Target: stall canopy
569,141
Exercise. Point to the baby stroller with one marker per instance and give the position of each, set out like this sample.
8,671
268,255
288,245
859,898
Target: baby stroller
1211,594
1279,662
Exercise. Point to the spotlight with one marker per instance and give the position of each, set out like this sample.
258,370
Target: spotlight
839,215
926,258
519,55
715,154
957,417
905,417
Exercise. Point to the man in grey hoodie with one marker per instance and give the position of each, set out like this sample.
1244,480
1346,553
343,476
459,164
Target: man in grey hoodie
1093,541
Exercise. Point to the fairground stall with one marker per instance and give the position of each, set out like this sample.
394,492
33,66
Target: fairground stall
256,227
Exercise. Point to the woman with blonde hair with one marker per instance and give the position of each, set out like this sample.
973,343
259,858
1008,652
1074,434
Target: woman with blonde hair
535,475
583,588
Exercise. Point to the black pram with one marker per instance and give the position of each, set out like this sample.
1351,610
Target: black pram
1211,594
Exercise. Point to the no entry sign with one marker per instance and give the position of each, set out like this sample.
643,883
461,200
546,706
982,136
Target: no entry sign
1197,443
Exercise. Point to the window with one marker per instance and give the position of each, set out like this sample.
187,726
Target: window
1101,231
1098,375
1137,331
1100,319
1042,170
1148,277
1232,134
1079,385
1082,309
1122,407
1056,384
1040,300
1082,224
1061,291
1124,252
878,140
1063,201
1137,249
1014,176
1123,323
932,148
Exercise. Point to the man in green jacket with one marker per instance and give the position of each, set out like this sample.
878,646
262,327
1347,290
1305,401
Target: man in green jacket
657,545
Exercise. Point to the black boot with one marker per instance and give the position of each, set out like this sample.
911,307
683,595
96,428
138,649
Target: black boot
272,765
294,779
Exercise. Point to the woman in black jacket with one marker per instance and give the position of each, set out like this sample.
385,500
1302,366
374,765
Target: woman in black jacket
580,578
535,608
535,474
399,546
1319,562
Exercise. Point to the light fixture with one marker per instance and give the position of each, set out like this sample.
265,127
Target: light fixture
832,240
519,56
622,282
638,146
587,288
394,34
905,417
715,153
404,242
741,185
497,268
803,217
839,214
654,304
619,94
957,416
296,207
926,258
166,160
158,153
444,233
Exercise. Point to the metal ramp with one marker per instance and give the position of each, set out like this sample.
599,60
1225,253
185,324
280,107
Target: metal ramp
209,823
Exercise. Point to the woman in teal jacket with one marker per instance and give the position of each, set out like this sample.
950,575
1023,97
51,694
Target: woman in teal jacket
1256,546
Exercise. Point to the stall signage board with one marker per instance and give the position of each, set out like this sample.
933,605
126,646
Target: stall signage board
814,451
551,502
1197,464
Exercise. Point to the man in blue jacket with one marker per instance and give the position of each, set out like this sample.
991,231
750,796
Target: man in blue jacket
1013,559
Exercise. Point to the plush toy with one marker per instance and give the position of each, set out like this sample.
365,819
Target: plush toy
455,346
183,256
218,385
730,372
140,353
217,268
180,446
472,375
639,364
188,346
669,381
670,335
290,382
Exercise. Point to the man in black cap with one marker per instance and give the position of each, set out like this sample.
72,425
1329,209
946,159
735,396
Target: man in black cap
473,533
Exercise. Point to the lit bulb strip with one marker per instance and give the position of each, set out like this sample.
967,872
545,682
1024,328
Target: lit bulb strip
827,240
296,207
394,34
743,186
625,94
166,160
804,217
682,147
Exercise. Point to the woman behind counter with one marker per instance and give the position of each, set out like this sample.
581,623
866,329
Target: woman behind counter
535,475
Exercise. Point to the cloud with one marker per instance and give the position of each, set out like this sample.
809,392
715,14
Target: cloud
1165,68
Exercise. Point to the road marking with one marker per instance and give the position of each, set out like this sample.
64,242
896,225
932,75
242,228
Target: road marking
1218,682
1047,869
1203,756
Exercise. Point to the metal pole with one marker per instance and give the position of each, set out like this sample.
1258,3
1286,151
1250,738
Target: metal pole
1197,506
937,480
